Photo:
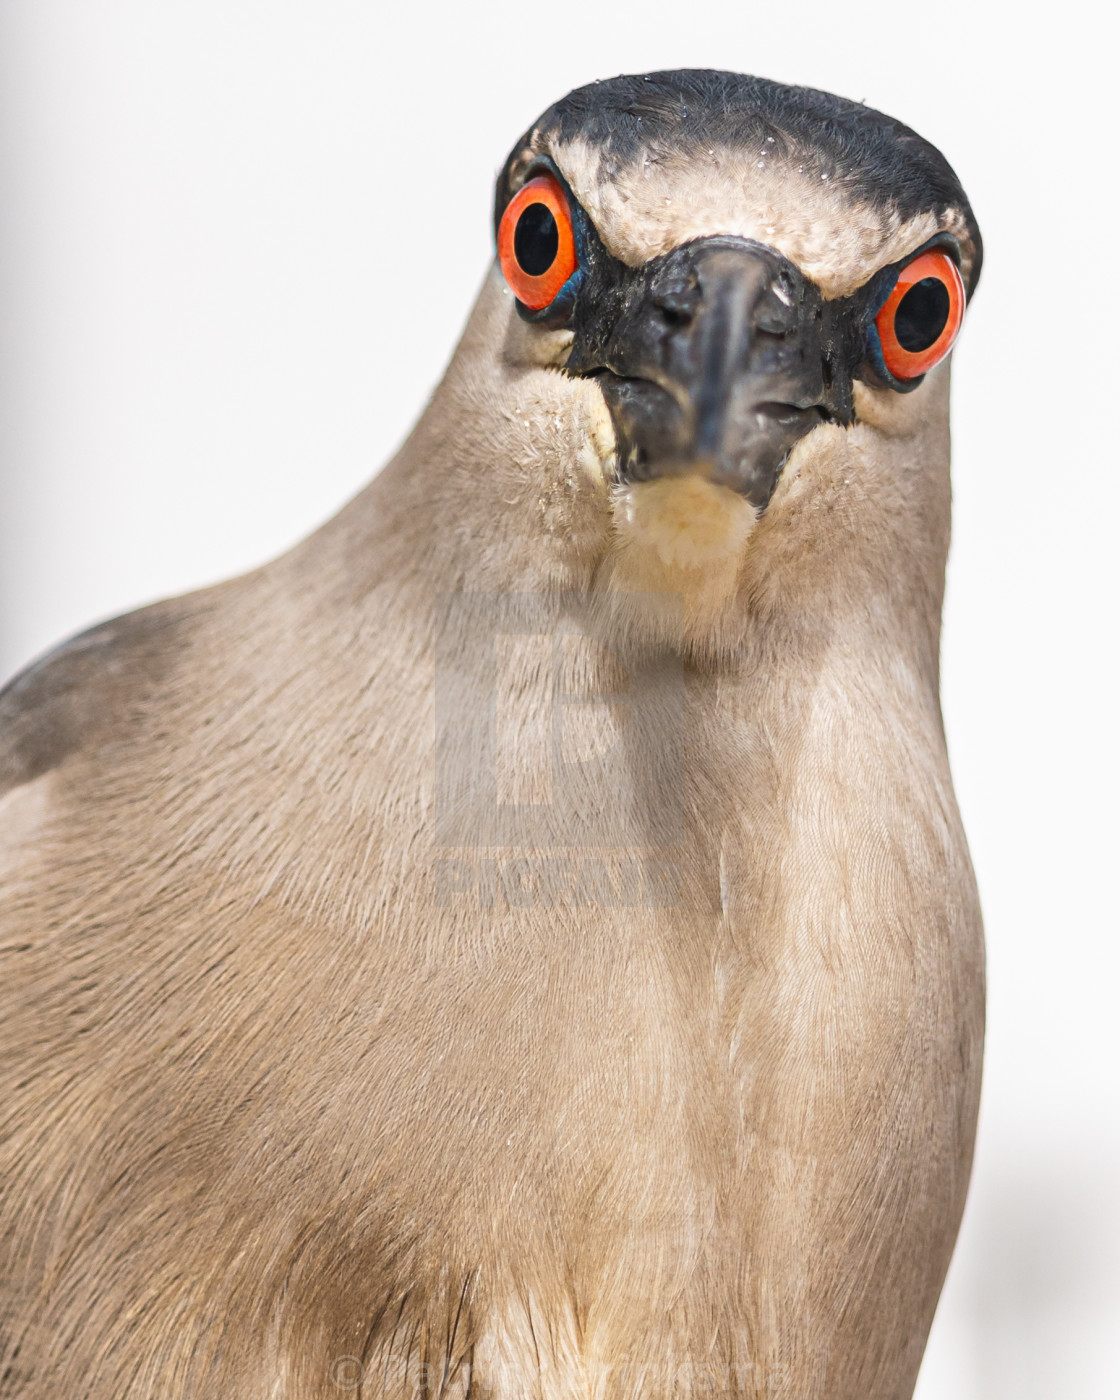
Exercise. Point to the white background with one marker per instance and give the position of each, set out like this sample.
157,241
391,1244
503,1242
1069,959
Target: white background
237,242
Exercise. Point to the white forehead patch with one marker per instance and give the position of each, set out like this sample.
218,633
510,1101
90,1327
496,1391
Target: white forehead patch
646,208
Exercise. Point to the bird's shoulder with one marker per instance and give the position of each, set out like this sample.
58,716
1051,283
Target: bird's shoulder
80,694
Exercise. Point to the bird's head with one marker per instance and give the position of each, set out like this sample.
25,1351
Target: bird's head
713,349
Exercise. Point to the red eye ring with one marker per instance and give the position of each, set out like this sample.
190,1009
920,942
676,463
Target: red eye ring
908,363
549,222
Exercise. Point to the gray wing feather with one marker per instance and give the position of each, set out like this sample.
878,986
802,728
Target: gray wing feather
76,696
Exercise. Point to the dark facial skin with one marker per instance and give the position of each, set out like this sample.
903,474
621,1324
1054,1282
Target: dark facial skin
719,354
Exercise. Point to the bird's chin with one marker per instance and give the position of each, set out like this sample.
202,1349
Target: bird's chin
678,547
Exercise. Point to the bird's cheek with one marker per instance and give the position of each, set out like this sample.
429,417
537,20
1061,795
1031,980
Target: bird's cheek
594,436
525,345
569,464
902,415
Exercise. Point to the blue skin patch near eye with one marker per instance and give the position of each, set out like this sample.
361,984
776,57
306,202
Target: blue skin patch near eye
560,307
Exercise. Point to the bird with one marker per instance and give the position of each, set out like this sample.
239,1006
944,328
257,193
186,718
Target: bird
521,942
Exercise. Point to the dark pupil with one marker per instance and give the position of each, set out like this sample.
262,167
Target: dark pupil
922,314
536,240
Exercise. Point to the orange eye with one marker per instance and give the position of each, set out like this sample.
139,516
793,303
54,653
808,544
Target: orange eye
536,245
919,321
